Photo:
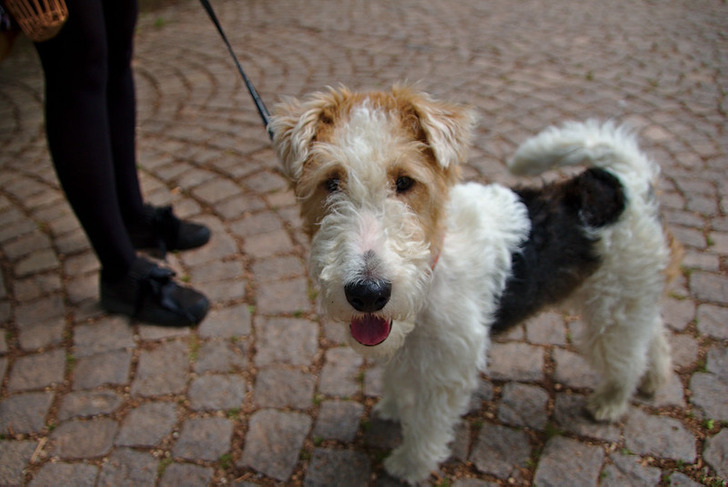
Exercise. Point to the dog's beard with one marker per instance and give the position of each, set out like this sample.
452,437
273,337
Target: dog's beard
338,249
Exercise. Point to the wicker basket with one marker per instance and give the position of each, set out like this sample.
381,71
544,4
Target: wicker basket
39,19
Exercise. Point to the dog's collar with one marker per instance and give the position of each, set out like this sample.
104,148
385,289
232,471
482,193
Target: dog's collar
436,258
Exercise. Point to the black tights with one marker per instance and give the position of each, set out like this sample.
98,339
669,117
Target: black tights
90,123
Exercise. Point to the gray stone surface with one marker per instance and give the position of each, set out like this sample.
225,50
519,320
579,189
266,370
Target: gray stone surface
499,450
627,470
74,440
215,392
221,356
337,467
568,462
24,413
280,388
162,370
273,442
86,404
77,474
523,405
14,456
127,467
203,439
338,420
283,340
226,323
547,328
86,394
678,479
37,371
517,361
103,368
185,474
716,453
709,393
339,376
659,436
712,320
573,370
111,333
147,424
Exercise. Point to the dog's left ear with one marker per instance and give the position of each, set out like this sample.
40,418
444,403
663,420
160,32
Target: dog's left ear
294,124
448,127
292,135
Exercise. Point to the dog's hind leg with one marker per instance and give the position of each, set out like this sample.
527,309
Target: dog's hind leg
618,345
659,364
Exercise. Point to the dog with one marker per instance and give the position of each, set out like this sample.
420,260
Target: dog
421,268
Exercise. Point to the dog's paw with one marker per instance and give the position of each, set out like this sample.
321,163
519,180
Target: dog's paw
604,408
654,379
387,409
404,466
649,385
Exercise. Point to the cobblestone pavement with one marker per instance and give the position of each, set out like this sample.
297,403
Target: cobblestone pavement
263,391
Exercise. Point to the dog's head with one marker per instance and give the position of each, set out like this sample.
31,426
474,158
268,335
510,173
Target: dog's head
372,172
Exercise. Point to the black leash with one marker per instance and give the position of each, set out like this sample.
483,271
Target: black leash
262,110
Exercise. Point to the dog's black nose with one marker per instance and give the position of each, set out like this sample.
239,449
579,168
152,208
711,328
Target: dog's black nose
368,295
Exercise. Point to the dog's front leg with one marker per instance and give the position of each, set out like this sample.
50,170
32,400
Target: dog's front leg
428,411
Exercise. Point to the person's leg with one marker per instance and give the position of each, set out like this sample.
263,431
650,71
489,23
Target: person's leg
120,20
77,125
83,109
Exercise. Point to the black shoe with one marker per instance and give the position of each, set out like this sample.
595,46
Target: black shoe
162,231
148,293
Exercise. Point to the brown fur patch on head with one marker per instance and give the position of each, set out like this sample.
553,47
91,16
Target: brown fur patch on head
439,133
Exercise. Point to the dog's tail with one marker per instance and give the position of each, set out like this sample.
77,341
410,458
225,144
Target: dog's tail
592,143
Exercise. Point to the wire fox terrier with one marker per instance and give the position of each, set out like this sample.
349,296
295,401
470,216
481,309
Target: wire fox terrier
421,268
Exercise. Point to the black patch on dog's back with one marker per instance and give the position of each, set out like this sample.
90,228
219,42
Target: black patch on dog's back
559,254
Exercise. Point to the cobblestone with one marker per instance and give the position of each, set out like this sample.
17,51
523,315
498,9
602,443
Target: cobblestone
37,371
566,461
282,388
162,370
103,368
660,436
500,450
273,442
264,392
147,424
337,467
338,420
203,439
129,468
215,392
14,455
24,413
284,340
88,403
716,453
52,474
627,470
74,440
179,474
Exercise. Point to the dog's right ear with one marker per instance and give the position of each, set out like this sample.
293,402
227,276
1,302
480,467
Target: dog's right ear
294,124
448,127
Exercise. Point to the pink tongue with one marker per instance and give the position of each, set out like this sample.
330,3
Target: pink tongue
369,330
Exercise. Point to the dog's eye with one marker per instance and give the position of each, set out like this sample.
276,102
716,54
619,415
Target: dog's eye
404,184
332,185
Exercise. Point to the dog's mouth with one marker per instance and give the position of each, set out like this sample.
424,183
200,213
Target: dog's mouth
369,329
